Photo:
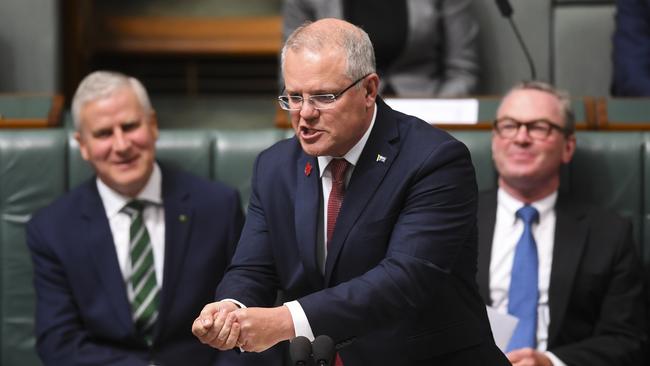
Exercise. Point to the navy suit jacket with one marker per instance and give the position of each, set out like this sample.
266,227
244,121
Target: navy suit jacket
83,314
632,48
596,301
399,285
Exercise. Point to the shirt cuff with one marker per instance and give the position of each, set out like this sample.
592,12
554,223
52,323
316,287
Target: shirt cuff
554,360
241,306
299,318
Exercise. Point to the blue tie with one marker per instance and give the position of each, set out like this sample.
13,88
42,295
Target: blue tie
523,294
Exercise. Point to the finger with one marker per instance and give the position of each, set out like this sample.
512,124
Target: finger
224,333
233,337
210,309
200,327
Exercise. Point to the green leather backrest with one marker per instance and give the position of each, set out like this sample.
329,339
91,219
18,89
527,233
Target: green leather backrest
607,170
32,174
235,153
479,144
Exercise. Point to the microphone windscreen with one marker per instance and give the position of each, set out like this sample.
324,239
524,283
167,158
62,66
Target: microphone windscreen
323,349
300,350
504,8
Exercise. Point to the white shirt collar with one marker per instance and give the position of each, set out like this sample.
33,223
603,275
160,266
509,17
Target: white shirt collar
353,155
114,201
511,204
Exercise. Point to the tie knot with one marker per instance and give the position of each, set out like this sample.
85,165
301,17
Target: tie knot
528,214
338,168
134,207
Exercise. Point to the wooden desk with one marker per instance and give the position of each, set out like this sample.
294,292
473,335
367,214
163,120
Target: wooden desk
30,110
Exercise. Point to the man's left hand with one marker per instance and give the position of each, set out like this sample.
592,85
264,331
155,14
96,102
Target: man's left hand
262,328
528,357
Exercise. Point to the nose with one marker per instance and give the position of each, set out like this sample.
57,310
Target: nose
307,110
120,141
522,134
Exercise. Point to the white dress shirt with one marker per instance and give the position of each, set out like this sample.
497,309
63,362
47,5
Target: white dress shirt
507,231
300,321
120,224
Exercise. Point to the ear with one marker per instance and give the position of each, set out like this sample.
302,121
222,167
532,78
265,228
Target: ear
83,149
371,86
569,148
153,121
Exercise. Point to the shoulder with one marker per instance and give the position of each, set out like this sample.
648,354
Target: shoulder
178,182
66,210
422,139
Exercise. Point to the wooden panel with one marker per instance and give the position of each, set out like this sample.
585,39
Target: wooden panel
30,110
254,36
623,114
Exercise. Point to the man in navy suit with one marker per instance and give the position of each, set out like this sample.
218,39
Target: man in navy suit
587,301
631,53
389,272
86,275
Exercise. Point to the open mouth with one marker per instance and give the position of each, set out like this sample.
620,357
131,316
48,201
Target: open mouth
309,133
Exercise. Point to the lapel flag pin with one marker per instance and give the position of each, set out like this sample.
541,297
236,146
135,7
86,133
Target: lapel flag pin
381,158
182,218
308,169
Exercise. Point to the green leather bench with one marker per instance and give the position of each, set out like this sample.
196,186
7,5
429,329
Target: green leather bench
37,166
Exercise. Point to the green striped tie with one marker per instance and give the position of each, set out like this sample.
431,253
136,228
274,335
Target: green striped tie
144,305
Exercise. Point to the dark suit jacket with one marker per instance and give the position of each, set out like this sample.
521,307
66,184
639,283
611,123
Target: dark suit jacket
596,288
398,287
83,314
632,48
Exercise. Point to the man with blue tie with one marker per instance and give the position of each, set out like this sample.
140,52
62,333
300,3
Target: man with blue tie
568,271
366,220
123,262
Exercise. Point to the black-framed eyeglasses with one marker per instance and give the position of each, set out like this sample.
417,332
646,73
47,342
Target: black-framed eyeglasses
318,101
538,129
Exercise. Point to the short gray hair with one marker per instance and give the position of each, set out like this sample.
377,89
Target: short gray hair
562,96
353,41
102,84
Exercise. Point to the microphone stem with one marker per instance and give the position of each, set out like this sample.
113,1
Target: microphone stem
523,46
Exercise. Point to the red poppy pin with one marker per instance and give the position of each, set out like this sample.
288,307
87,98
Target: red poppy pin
308,169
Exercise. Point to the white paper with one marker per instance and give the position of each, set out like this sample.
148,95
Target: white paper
433,110
502,325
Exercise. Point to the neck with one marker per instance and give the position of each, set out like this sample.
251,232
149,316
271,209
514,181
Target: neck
528,192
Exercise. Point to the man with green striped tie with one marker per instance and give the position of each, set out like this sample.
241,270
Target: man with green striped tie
125,261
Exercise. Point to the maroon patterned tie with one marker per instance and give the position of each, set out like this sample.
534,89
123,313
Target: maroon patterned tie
337,170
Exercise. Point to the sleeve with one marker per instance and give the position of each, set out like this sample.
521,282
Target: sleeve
61,337
619,331
460,58
632,48
251,278
429,252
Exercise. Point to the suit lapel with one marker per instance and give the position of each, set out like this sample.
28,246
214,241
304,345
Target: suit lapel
376,159
101,249
307,206
570,239
487,209
178,222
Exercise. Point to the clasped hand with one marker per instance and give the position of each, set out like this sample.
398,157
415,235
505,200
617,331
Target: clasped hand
223,325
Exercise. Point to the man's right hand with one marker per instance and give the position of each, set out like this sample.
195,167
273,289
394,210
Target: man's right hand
217,326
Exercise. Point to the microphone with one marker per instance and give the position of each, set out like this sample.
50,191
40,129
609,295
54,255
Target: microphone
323,348
300,351
506,10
